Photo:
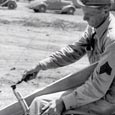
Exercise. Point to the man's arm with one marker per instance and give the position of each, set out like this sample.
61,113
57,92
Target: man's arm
65,56
69,54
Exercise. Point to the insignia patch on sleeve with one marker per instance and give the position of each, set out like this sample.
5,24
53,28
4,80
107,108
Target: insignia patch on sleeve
105,68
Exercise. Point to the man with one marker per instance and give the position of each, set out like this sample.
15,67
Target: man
97,95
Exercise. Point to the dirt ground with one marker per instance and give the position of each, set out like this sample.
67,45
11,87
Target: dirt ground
25,39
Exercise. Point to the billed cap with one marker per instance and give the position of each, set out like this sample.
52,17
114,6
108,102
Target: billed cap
93,3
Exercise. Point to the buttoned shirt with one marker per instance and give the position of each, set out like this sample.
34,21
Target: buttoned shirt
99,45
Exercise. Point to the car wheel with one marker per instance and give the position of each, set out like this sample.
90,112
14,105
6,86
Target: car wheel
12,5
71,11
42,8
36,10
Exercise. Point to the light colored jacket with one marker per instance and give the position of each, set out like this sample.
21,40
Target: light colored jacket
100,84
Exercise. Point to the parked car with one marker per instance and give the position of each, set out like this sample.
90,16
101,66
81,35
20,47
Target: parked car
113,5
75,3
57,5
11,4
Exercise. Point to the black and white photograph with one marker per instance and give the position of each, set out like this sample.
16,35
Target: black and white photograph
57,57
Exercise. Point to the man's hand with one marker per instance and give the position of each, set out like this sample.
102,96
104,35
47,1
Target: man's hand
31,74
54,108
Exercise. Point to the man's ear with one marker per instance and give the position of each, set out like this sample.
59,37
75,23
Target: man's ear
106,8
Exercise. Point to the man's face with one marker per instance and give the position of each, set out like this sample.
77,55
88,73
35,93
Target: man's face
93,16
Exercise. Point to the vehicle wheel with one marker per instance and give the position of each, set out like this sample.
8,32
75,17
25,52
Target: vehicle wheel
12,5
42,9
36,10
71,11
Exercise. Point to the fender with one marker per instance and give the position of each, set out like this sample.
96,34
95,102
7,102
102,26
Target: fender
36,5
65,8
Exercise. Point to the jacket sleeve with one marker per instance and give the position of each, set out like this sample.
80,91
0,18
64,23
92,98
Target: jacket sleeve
98,83
67,55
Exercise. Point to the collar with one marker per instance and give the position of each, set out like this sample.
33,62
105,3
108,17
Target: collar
101,29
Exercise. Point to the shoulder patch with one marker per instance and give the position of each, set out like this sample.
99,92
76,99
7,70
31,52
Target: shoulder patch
105,68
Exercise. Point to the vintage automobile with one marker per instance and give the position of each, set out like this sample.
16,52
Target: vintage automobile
57,5
112,5
11,4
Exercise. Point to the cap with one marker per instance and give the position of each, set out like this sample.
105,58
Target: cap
93,3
